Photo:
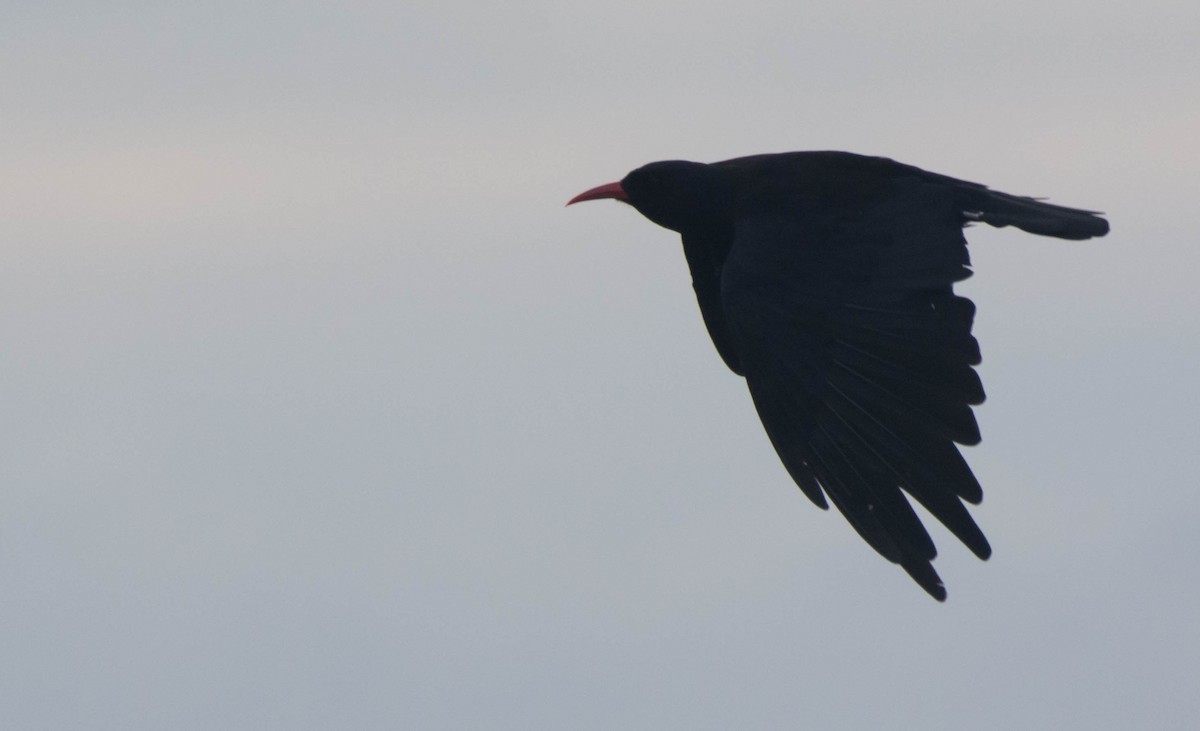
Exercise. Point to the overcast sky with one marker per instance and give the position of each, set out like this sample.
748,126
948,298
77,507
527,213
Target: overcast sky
321,411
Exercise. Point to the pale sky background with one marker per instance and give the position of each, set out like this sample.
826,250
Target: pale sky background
320,411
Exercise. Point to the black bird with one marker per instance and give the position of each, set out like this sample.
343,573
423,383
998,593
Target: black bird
826,279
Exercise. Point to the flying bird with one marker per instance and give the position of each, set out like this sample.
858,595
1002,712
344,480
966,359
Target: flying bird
826,280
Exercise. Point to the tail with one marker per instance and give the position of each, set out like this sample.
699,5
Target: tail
1032,215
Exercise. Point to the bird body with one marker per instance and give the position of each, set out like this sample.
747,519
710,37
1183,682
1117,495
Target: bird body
826,280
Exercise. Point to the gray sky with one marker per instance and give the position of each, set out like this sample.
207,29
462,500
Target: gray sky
320,410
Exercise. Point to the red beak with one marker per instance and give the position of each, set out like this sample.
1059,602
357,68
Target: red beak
608,190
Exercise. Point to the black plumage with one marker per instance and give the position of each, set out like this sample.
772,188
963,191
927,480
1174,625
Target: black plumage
826,280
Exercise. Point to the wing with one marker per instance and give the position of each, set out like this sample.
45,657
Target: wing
706,252
859,359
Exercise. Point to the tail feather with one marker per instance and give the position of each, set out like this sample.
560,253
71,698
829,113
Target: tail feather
1032,215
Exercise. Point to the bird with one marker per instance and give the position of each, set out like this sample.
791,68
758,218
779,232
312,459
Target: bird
826,280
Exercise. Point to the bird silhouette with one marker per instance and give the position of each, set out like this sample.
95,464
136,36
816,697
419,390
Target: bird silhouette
826,279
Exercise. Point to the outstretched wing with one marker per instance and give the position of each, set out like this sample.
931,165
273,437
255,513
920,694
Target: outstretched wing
859,359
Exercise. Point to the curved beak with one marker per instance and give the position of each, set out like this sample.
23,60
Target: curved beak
608,190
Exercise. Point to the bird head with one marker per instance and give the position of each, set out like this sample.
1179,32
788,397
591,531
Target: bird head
675,194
